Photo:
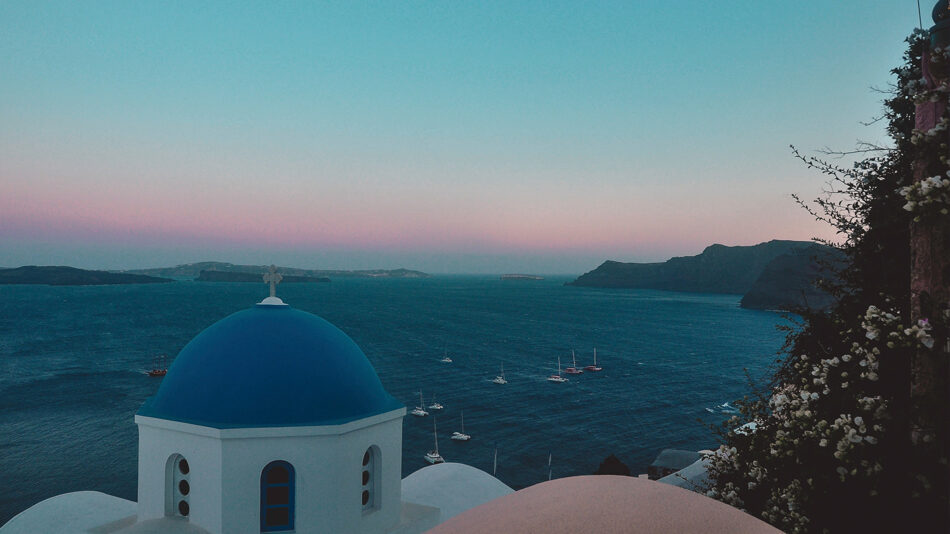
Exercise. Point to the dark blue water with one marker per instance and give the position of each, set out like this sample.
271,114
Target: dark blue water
72,362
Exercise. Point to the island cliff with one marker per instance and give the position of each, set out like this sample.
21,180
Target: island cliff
231,276
193,270
792,280
773,275
70,276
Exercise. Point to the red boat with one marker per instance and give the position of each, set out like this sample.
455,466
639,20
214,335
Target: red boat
160,368
594,368
573,370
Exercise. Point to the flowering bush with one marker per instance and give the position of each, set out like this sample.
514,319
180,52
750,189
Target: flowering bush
830,450
930,196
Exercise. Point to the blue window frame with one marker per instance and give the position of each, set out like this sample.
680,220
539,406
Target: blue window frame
277,497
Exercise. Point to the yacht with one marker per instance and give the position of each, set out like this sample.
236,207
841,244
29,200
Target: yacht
500,379
461,436
594,368
573,370
446,359
419,411
557,378
435,405
433,456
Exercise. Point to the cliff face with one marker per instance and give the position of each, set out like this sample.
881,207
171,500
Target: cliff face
230,276
71,276
192,270
719,269
773,275
789,281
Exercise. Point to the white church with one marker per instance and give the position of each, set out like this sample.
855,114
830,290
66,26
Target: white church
273,420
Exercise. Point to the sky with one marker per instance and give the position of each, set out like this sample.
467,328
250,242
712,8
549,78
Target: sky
448,137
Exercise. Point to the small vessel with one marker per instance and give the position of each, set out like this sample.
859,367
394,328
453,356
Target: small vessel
573,370
433,456
435,405
557,378
594,368
159,368
446,359
461,436
419,411
500,379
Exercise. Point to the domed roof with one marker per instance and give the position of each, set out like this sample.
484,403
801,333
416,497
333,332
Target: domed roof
604,503
270,365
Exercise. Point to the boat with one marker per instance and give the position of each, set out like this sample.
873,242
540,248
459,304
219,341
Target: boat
433,456
573,370
446,359
159,368
594,368
419,411
435,405
500,379
461,436
557,378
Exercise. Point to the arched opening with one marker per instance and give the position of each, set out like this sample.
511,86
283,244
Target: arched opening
369,492
277,497
177,486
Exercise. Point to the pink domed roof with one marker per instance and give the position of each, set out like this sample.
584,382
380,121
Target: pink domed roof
604,503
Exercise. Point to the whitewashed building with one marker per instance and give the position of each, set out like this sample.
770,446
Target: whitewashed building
270,420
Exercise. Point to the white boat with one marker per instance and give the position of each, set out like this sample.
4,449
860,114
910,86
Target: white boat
594,368
419,411
557,378
446,359
573,370
433,456
461,436
500,379
435,405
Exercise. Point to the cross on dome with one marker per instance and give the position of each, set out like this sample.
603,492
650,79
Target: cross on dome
273,278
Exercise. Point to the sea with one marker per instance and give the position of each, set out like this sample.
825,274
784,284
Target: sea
73,364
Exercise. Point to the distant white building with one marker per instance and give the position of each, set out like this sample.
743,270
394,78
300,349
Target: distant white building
273,420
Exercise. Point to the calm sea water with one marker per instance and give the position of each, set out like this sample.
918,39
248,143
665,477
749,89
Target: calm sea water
72,363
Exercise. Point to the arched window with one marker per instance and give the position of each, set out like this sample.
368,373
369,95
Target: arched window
369,496
177,486
277,497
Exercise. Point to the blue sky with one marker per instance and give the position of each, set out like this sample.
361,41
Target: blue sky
448,137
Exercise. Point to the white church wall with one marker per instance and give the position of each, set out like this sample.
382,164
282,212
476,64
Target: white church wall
327,469
160,440
226,467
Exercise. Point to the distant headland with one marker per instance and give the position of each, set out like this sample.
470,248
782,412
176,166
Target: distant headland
521,277
71,276
194,270
772,275
209,271
234,276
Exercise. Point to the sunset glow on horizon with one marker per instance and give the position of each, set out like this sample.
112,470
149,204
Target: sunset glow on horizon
495,137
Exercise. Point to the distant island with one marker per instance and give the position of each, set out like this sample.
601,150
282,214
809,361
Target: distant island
230,276
193,270
772,275
521,277
71,276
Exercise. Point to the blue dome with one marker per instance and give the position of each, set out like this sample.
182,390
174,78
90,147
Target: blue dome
270,366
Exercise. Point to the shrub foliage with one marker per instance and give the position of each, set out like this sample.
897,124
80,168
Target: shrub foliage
830,448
